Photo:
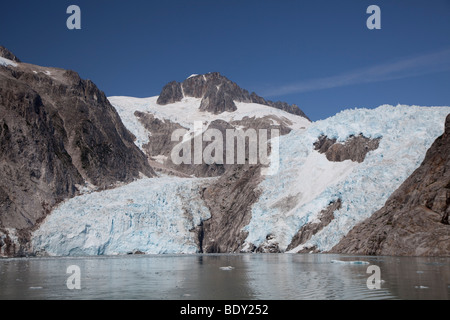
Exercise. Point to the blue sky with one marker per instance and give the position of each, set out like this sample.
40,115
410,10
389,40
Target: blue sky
316,54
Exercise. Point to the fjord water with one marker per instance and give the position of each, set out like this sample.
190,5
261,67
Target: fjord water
225,277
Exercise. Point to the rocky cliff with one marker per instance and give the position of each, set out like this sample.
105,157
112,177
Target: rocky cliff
59,135
229,200
414,221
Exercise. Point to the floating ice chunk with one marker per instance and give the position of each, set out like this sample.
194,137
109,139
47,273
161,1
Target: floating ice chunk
228,268
349,262
421,287
35,288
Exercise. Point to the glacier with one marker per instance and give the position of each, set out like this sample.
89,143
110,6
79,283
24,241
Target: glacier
150,215
406,133
156,215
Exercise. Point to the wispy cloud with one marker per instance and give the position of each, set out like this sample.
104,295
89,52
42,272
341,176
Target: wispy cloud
404,68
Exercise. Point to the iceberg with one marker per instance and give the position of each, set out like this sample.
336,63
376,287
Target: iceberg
350,262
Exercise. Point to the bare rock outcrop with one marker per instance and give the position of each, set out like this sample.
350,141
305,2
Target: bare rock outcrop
414,220
354,149
170,93
310,229
229,201
160,143
160,133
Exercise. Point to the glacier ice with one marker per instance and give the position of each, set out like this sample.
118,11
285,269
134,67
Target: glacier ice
6,62
153,216
406,133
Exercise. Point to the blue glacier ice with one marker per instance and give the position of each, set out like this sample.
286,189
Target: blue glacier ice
406,133
153,216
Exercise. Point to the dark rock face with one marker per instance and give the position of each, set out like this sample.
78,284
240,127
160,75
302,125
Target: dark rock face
160,141
5,53
307,231
355,148
414,220
211,85
217,101
57,132
218,94
170,93
229,201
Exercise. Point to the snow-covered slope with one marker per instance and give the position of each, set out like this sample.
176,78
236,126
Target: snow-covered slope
307,182
150,215
187,111
6,62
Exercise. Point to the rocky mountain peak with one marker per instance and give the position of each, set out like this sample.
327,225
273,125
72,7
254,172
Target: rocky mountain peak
5,53
218,94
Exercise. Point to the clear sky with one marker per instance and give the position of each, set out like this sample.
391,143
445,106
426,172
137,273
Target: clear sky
317,54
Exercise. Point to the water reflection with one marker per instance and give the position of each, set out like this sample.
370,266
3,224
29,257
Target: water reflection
417,278
261,276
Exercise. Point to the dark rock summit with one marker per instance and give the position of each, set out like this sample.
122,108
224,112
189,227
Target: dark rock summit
58,134
218,94
5,53
170,93
414,220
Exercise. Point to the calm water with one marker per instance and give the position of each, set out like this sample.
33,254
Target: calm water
253,276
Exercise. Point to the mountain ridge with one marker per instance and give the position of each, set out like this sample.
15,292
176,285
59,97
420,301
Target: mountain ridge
218,94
